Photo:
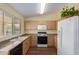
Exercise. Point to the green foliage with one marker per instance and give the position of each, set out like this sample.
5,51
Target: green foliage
69,12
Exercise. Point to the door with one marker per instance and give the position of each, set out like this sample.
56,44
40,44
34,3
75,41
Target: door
17,50
67,37
65,41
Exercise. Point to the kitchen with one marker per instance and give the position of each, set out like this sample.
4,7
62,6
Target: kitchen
26,32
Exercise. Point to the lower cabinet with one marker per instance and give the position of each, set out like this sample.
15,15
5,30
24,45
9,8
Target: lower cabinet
52,40
26,45
34,40
55,37
31,41
17,50
22,48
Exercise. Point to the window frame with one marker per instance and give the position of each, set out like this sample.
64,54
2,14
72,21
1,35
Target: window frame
3,12
14,17
2,21
9,15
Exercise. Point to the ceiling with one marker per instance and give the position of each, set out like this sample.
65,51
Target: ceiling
33,9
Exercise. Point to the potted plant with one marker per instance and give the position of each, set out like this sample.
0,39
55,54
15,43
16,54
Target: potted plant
68,12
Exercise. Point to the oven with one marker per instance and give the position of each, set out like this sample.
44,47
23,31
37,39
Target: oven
42,39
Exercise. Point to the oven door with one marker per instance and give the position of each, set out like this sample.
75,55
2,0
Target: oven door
42,40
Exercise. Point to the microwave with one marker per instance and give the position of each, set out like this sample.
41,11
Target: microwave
42,27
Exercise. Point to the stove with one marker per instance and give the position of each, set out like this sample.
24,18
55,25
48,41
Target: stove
42,39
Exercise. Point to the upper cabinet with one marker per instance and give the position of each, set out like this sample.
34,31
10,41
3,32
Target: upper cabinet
16,26
7,24
1,23
32,25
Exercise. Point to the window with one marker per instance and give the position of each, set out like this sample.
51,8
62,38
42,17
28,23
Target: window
1,23
7,24
16,26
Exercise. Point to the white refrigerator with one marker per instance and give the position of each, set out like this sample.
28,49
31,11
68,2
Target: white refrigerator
68,36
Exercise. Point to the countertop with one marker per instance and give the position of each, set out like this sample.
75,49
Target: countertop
36,31
6,47
4,38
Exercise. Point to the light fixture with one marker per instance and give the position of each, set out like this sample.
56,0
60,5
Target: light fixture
42,7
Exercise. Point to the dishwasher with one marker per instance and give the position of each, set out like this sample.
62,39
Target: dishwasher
17,50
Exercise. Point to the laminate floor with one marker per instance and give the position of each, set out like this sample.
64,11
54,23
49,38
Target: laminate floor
42,51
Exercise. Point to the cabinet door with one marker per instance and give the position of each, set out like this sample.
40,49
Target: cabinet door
33,40
55,40
51,40
26,45
17,50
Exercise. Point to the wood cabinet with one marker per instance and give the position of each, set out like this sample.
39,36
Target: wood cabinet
32,25
26,45
55,37
51,40
33,40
